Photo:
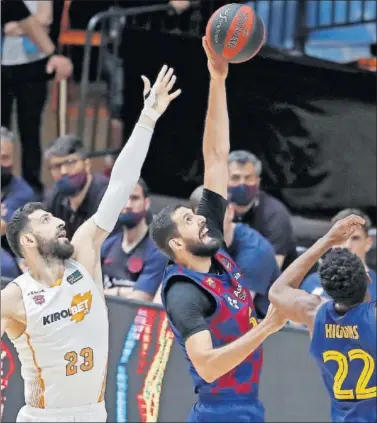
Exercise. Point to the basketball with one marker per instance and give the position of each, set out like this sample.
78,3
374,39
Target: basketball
235,32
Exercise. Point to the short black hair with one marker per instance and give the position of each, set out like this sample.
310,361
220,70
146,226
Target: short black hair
163,229
347,212
144,187
343,277
18,224
64,146
243,157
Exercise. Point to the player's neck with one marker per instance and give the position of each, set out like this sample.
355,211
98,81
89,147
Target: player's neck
46,271
198,264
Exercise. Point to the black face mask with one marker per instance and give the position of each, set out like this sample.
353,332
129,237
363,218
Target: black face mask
6,176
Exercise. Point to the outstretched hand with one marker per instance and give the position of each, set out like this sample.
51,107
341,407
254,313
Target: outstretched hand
159,97
343,229
217,65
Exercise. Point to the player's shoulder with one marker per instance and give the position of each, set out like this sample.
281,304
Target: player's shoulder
11,296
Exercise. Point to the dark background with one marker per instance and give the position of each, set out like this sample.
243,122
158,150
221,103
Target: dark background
312,124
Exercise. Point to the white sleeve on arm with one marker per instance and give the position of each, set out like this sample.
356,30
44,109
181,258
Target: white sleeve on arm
124,176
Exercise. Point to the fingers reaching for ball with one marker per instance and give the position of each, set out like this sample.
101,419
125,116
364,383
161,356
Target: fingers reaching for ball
217,65
209,54
159,96
147,85
165,82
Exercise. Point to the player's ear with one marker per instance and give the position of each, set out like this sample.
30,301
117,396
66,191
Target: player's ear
27,240
368,244
147,203
176,244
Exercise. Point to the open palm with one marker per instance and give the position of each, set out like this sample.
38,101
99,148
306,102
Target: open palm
159,97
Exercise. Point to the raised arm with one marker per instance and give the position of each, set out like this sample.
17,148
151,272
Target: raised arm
216,143
126,171
285,295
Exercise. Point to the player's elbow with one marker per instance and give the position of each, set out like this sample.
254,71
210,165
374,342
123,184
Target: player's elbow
207,374
274,294
206,368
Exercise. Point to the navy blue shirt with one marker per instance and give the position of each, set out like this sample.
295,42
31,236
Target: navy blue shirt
16,195
312,285
255,256
142,268
13,196
59,205
272,219
9,266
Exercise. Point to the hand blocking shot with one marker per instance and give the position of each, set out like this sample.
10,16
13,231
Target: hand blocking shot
210,312
55,314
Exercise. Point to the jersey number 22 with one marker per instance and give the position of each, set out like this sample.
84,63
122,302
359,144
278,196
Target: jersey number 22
361,391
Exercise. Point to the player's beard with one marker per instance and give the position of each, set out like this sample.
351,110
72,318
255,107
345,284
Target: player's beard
55,249
200,249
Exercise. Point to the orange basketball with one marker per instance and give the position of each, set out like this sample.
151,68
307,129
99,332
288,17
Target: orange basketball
235,32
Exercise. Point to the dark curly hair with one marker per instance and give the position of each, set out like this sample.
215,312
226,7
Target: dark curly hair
19,223
343,277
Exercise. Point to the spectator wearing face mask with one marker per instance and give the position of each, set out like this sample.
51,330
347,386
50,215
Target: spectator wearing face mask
15,192
258,209
252,252
359,244
131,263
77,191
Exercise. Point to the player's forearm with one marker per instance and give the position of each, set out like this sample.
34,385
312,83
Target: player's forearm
216,144
292,277
37,33
125,174
220,361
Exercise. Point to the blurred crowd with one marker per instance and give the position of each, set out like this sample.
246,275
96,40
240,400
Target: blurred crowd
258,227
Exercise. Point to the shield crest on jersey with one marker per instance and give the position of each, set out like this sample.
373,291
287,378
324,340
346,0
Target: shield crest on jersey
39,299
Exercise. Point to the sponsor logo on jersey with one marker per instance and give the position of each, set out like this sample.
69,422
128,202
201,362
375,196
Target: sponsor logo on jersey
74,277
240,293
232,301
80,307
39,299
35,292
226,263
210,282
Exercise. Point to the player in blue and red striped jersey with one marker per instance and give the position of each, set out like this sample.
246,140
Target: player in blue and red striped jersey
343,329
210,312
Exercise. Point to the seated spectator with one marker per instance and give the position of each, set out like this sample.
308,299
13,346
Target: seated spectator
252,252
9,266
15,192
77,191
359,243
131,264
258,209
